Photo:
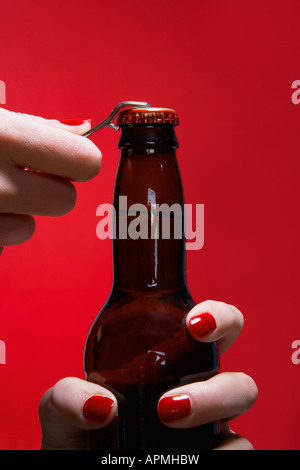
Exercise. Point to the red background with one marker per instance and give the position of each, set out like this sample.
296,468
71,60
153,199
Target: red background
227,68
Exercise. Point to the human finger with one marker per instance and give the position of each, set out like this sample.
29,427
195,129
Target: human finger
27,143
75,126
15,229
71,407
222,397
26,192
212,320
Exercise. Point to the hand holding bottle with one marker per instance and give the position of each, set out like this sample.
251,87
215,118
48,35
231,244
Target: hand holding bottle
74,406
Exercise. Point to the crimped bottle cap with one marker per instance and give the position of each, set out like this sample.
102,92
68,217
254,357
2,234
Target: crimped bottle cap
148,116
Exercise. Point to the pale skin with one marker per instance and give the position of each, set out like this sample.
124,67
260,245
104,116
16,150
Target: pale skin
39,160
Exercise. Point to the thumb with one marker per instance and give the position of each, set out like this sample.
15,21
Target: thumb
76,126
72,407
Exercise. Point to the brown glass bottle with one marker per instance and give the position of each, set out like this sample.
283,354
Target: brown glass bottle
138,346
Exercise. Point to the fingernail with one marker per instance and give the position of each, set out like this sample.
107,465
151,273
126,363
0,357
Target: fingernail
202,324
173,408
75,122
98,408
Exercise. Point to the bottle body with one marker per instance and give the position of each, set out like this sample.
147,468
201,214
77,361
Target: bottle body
145,350
138,346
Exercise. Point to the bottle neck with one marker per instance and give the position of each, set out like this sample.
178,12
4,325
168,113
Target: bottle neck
149,243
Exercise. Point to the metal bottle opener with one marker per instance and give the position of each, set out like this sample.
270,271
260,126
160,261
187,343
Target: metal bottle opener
108,121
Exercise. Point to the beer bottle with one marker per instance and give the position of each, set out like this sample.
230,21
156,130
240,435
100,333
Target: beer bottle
138,346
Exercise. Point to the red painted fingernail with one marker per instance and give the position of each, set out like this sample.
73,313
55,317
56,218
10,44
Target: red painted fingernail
98,408
202,324
173,408
75,122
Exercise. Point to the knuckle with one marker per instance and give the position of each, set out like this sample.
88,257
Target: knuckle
247,445
43,408
62,385
28,227
89,157
62,388
67,198
8,193
249,389
237,317
16,229
71,196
